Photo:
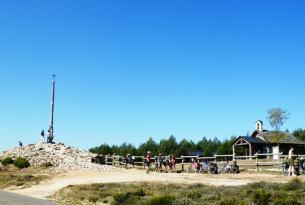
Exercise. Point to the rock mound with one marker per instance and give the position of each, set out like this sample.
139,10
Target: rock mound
59,156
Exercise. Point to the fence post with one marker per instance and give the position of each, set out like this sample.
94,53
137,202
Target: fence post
257,169
182,163
143,162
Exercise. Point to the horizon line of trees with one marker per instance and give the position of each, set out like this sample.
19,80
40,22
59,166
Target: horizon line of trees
205,147
170,146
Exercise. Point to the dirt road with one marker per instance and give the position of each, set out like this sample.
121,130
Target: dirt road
48,187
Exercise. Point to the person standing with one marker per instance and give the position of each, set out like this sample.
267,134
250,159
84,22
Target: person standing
148,161
198,166
126,161
159,163
173,162
166,163
291,157
42,139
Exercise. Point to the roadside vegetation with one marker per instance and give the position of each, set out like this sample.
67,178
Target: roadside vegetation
262,193
19,162
11,176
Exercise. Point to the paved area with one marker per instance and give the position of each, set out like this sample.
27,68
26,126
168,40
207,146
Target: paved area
7,198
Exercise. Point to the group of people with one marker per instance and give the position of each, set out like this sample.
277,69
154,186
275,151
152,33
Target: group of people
195,164
168,162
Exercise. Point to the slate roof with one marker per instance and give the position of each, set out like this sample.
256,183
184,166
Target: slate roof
276,137
253,140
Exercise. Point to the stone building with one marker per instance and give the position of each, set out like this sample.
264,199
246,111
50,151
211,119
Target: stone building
264,141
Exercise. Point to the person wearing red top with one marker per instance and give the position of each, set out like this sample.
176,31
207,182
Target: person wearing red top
148,161
173,162
198,166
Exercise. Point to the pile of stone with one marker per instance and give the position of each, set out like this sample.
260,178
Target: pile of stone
62,157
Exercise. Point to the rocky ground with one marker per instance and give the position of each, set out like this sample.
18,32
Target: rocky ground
60,156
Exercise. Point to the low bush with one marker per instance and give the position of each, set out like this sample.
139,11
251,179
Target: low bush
21,163
286,201
120,198
261,197
139,192
182,201
294,185
263,185
231,201
7,161
93,199
160,200
194,194
261,193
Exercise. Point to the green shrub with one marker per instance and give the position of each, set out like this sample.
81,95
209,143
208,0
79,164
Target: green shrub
21,163
7,161
261,197
286,201
194,194
93,199
120,197
160,200
139,192
263,185
231,201
182,201
294,184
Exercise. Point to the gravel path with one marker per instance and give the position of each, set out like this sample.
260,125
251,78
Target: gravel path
7,198
48,187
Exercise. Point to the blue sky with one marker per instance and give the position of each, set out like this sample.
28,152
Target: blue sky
130,70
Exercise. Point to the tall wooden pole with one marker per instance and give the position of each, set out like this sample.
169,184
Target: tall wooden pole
51,126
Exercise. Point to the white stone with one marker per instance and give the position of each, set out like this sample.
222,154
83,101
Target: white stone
62,157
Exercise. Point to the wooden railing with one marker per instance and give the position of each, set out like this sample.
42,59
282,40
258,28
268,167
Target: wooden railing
256,160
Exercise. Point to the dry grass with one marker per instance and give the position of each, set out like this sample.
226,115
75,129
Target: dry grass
292,193
14,177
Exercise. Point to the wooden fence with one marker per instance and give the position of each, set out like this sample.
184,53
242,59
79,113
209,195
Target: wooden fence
256,161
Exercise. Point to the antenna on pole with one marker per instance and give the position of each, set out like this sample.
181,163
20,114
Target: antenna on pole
51,126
